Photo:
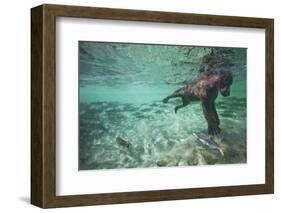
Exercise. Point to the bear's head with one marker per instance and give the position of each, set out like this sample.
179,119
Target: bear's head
225,82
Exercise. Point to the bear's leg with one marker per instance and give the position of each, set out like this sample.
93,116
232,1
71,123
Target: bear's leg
216,114
211,117
174,95
185,102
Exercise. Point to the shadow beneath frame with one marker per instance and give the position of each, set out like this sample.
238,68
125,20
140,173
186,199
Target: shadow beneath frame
25,200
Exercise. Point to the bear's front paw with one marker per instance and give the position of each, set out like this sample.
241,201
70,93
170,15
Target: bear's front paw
214,130
165,100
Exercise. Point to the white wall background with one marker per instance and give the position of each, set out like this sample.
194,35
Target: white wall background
15,105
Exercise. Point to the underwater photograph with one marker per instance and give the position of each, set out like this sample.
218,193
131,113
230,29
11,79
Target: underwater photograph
156,105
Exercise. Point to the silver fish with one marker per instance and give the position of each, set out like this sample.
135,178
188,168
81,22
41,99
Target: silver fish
207,141
123,142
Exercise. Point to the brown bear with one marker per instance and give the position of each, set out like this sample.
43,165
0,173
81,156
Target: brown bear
205,89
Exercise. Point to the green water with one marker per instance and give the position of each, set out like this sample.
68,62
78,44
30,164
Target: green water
121,92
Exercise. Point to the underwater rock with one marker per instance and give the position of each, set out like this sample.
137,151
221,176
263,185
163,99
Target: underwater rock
123,142
193,159
210,156
140,115
145,109
155,104
161,163
182,163
158,111
201,159
168,161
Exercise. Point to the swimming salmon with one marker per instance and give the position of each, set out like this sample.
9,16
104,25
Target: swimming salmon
207,141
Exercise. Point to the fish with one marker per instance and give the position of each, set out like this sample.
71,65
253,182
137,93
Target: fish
207,141
123,142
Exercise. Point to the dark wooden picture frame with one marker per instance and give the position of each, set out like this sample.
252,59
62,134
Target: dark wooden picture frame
43,105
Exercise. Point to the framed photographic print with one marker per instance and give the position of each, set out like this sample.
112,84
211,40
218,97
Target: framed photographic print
136,106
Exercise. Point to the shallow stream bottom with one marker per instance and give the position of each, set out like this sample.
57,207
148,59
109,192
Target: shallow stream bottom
156,135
